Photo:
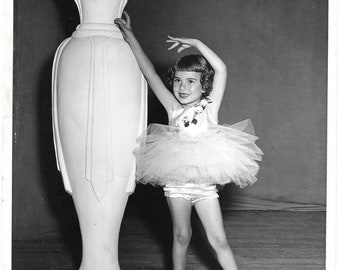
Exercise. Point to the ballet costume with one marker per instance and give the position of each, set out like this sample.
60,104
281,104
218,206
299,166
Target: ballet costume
194,154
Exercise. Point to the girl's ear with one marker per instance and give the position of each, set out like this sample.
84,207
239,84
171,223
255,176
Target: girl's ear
204,82
169,77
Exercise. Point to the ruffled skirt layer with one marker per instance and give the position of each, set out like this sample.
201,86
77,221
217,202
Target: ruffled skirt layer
219,155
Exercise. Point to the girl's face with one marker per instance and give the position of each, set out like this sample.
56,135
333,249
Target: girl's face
187,87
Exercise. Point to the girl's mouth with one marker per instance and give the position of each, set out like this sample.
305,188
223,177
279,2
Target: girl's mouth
183,95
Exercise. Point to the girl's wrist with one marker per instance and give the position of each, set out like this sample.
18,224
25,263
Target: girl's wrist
199,44
132,38
196,43
129,36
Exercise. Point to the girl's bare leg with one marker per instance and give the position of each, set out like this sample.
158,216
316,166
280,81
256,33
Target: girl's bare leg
209,212
180,210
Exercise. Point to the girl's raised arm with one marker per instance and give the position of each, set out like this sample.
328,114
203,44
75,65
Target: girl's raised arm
163,94
220,69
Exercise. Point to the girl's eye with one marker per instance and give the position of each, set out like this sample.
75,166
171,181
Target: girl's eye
176,80
191,81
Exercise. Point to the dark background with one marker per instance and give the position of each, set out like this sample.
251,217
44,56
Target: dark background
276,53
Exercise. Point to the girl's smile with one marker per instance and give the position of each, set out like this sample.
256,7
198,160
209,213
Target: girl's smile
183,95
187,87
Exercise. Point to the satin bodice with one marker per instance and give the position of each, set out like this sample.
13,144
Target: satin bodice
184,115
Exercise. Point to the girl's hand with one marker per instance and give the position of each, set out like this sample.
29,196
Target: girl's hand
182,43
124,26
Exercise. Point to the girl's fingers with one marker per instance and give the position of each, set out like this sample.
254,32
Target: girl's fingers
183,47
177,42
128,20
182,40
171,40
173,46
120,21
180,49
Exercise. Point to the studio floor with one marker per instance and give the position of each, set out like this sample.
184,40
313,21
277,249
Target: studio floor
259,239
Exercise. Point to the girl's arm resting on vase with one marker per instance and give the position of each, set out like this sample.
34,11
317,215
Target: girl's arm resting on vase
163,94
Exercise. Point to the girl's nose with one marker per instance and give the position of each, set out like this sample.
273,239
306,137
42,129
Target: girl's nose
182,86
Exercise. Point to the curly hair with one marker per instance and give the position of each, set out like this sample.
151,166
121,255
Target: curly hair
196,63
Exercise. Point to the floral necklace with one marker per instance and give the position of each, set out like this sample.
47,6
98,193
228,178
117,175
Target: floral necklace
189,117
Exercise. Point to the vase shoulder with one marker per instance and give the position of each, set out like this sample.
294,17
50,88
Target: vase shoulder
97,29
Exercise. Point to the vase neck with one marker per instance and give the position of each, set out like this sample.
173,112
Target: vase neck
100,11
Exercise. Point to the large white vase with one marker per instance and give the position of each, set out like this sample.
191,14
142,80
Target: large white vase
99,109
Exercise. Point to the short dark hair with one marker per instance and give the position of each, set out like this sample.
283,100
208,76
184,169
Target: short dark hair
196,63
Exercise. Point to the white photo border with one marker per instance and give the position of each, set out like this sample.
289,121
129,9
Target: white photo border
6,124
333,139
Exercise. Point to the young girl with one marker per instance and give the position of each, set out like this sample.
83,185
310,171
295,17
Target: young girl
193,154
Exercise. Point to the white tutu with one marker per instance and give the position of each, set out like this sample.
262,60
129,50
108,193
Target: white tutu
219,155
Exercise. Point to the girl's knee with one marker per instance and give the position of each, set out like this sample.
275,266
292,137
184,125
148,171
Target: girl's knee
219,242
182,236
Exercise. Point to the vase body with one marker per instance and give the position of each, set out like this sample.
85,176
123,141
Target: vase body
99,110
99,102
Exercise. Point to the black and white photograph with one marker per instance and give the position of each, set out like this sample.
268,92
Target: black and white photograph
169,134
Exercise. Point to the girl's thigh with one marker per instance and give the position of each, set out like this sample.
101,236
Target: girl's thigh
180,210
209,212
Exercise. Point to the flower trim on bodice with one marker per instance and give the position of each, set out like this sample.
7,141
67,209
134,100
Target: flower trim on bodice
189,116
